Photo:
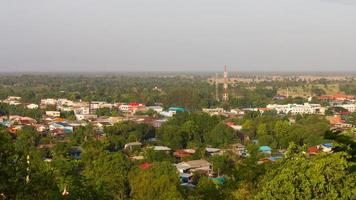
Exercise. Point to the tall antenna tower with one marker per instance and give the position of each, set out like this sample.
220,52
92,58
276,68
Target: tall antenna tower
225,96
216,87
287,92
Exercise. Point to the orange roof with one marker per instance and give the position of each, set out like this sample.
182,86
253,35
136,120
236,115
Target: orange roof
12,130
264,109
181,153
59,119
335,120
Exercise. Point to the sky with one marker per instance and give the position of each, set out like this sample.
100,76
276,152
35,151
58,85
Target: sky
177,35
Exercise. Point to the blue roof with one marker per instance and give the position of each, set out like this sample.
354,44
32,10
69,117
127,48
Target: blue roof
274,158
177,109
185,175
328,145
265,148
218,180
187,185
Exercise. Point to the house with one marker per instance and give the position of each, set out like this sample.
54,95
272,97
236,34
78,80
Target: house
32,106
237,111
349,107
53,113
41,127
65,102
132,145
294,109
124,108
337,97
80,117
213,151
274,158
172,111
265,149
176,109
279,97
214,111
75,153
234,126
100,104
166,114
114,120
11,102
239,149
193,165
161,148
185,178
313,150
157,109
139,157
182,153
327,148
47,102
145,165
133,107
13,98
218,180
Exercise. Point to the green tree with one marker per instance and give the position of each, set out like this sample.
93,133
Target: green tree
158,182
221,135
207,189
325,176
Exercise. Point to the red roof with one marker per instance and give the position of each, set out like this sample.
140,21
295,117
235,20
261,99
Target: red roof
135,104
145,165
313,150
230,123
25,121
345,113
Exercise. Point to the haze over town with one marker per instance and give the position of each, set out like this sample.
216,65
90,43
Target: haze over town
177,99
158,35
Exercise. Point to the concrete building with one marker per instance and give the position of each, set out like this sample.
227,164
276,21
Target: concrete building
214,111
348,107
53,113
305,108
32,106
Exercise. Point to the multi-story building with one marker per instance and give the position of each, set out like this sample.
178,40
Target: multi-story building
305,108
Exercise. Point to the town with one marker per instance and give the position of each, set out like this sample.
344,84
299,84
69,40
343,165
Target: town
197,143
178,100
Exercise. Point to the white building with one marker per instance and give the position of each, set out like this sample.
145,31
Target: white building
47,102
348,107
32,106
214,111
156,108
82,111
124,107
100,104
65,102
80,117
13,98
305,108
53,113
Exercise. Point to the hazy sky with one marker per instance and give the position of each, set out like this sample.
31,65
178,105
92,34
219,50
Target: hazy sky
177,35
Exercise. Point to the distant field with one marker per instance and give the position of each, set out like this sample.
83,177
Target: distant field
330,89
